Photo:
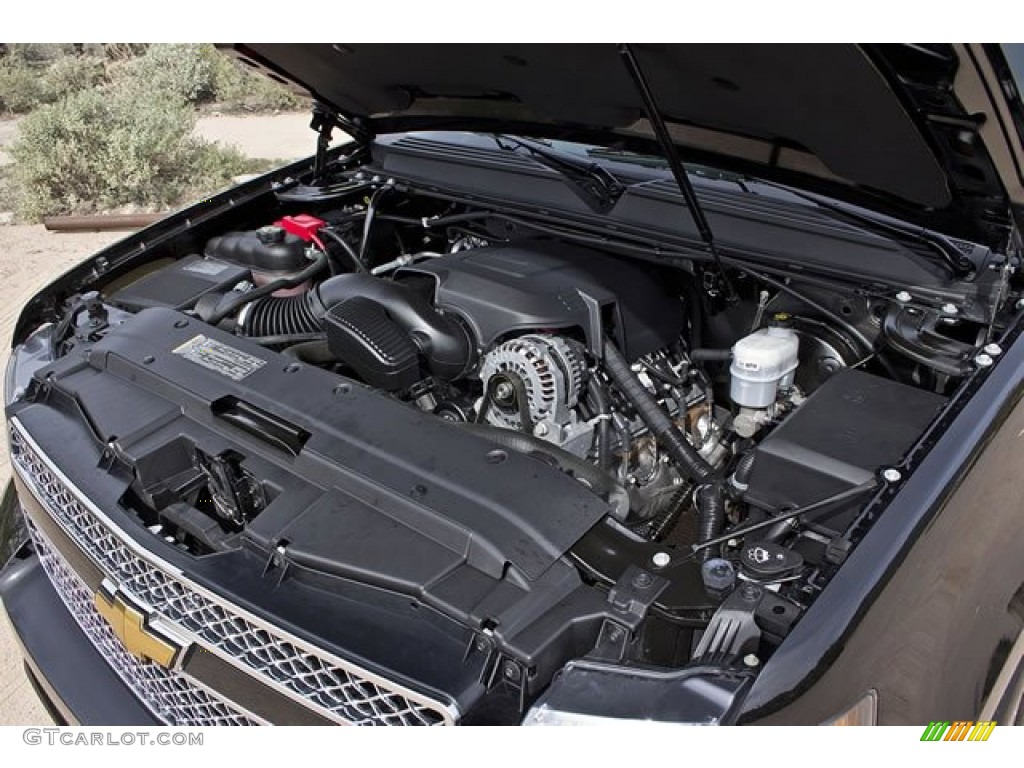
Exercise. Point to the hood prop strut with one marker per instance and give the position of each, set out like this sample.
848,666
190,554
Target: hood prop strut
324,121
675,164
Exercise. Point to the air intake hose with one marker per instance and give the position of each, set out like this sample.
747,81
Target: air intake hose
442,341
283,316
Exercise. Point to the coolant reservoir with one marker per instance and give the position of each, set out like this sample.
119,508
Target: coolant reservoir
762,363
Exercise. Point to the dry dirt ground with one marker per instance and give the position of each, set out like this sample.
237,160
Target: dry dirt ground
30,257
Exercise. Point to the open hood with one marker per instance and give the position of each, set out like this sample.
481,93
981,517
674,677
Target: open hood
931,133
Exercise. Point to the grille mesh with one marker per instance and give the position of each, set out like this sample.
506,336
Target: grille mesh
171,696
336,688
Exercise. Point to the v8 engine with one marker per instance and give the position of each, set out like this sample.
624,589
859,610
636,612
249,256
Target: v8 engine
510,337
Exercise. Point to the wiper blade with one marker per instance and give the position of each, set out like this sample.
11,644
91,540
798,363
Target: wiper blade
949,255
675,164
594,183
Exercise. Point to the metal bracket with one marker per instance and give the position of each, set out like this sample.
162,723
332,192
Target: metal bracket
634,593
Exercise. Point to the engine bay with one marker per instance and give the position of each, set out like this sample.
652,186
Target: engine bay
692,452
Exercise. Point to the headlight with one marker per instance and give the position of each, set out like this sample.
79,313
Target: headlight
25,360
595,693
10,386
863,712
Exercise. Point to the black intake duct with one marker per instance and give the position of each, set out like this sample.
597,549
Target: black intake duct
380,328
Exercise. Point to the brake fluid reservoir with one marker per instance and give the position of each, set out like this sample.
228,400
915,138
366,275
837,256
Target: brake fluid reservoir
762,363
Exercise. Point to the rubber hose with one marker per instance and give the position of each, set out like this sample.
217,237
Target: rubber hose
604,427
285,339
711,355
353,257
230,305
312,352
662,427
284,316
741,476
710,516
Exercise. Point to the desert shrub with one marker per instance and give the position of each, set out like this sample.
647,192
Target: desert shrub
29,80
34,53
7,199
70,74
236,88
34,75
103,148
182,71
21,87
119,51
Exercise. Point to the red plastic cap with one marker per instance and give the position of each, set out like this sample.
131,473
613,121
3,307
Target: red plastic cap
302,225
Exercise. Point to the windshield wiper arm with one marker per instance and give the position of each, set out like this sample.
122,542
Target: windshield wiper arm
949,255
675,164
597,184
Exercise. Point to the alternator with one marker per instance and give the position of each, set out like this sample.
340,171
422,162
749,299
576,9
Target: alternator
547,371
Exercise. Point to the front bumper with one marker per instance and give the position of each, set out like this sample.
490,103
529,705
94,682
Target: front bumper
75,682
223,656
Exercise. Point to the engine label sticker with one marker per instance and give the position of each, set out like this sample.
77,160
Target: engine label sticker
208,267
225,360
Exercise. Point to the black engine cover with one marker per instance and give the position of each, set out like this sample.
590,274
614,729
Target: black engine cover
554,286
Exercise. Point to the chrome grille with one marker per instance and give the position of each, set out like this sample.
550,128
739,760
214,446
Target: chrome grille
169,695
337,688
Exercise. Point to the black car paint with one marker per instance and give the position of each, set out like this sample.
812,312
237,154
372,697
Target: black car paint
928,604
378,89
824,666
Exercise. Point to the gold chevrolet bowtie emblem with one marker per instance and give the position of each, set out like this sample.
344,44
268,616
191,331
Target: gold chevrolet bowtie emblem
132,628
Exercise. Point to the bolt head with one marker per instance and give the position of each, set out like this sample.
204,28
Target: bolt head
892,475
751,660
749,591
1020,304
661,559
504,391
642,580
993,349
511,670
983,360
949,309
541,429
903,297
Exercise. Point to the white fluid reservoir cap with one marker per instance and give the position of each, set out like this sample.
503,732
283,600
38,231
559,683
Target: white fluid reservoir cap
761,362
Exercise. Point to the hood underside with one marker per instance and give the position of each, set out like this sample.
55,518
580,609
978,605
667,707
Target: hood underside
883,123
